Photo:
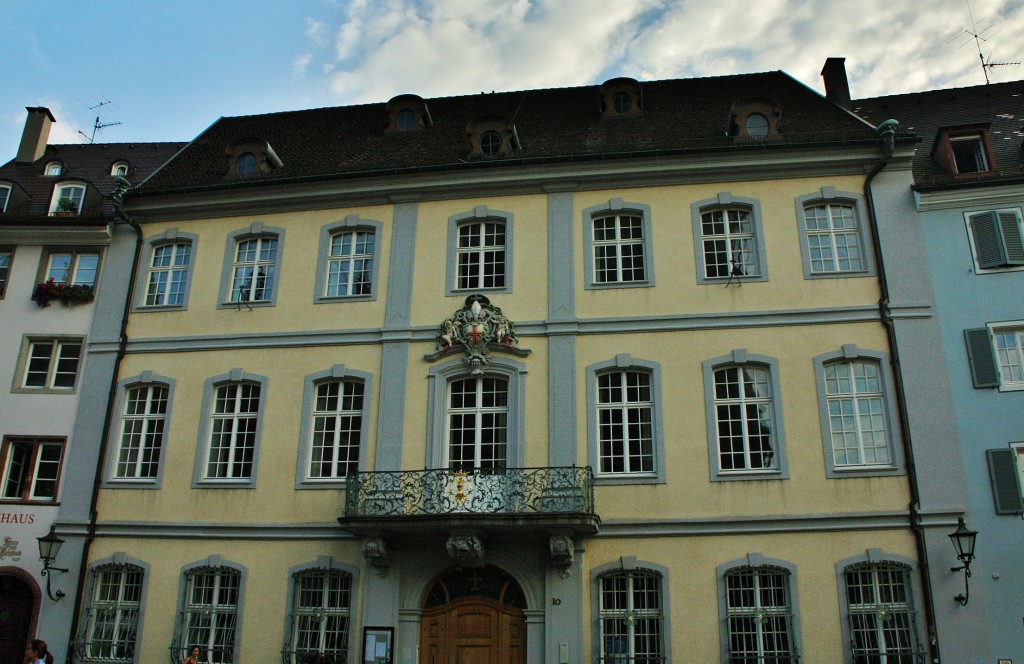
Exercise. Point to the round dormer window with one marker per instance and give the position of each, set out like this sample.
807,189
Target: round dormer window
405,120
246,165
490,143
757,125
622,102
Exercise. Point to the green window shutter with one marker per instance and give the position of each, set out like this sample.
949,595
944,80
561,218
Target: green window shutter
988,240
1002,470
1013,243
981,357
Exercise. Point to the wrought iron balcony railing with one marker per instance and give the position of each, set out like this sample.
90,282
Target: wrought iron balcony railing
552,490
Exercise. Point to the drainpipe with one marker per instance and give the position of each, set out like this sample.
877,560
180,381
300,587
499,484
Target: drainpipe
887,132
122,187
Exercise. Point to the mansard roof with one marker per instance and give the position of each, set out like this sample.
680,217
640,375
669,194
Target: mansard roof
88,163
997,106
550,126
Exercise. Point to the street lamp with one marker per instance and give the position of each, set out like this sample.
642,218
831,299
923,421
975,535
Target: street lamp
963,539
49,547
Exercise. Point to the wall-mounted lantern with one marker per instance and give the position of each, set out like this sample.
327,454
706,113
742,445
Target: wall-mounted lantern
49,547
963,539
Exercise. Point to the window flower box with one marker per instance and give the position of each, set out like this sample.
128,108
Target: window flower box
68,294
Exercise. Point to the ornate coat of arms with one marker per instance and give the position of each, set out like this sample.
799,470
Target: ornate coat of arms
478,328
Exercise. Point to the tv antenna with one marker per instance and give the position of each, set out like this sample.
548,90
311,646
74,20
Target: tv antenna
977,32
97,124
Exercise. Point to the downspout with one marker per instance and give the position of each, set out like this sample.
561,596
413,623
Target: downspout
887,132
122,187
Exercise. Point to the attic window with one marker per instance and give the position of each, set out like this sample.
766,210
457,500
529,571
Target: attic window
119,168
754,119
621,98
407,113
251,157
964,150
54,168
492,136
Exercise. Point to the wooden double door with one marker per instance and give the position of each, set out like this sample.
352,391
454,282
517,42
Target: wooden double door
17,604
473,630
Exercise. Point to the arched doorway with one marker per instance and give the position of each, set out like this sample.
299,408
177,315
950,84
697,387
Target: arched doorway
473,615
17,603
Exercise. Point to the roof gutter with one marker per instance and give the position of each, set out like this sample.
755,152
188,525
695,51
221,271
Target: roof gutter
122,187
887,132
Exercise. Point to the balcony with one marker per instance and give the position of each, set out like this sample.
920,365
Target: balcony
526,500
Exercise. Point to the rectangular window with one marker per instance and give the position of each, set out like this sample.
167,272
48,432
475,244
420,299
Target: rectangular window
68,200
210,614
631,618
51,364
618,245
1009,344
168,274
729,242
760,619
233,430
350,264
31,469
481,255
833,238
5,195
142,433
112,615
5,269
253,270
74,268
856,413
743,407
624,414
477,423
996,355
337,426
969,153
321,614
880,612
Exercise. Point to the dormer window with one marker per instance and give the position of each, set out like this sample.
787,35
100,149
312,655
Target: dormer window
492,136
67,200
407,113
621,98
5,195
754,119
251,157
54,168
119,168
964,150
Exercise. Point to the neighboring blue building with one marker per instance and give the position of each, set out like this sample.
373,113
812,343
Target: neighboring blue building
969,194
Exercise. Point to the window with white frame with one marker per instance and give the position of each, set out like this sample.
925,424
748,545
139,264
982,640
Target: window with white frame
119,168
728,240
477,417
997,237
320,615
350,264
6,256
996,355
31,469
618,246
210,614
112,614
631,617
833,238
337,428
73,267
5,196
53,168
759,615
625,422
168,274
143,425
480,255
50,364
253,270
68,198
857,415
744,418
880,613
234,427
969,152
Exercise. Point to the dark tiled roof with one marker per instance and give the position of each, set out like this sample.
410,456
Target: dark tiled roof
86,162
1000,105
553,125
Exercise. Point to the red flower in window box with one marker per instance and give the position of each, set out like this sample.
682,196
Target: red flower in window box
68,294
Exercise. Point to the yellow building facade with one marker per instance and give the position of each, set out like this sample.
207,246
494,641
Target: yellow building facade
634,410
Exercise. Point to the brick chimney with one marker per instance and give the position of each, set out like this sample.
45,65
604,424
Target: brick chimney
837,87
36,134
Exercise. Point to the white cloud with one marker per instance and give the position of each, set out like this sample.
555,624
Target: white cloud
317,32
300,64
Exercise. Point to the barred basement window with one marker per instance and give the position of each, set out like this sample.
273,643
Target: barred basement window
210,614
321,615
760,616
883,627
631,617
112,615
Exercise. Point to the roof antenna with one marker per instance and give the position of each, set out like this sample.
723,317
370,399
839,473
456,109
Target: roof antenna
97,125
974,32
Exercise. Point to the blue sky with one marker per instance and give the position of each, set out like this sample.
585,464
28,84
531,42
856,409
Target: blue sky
171,69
